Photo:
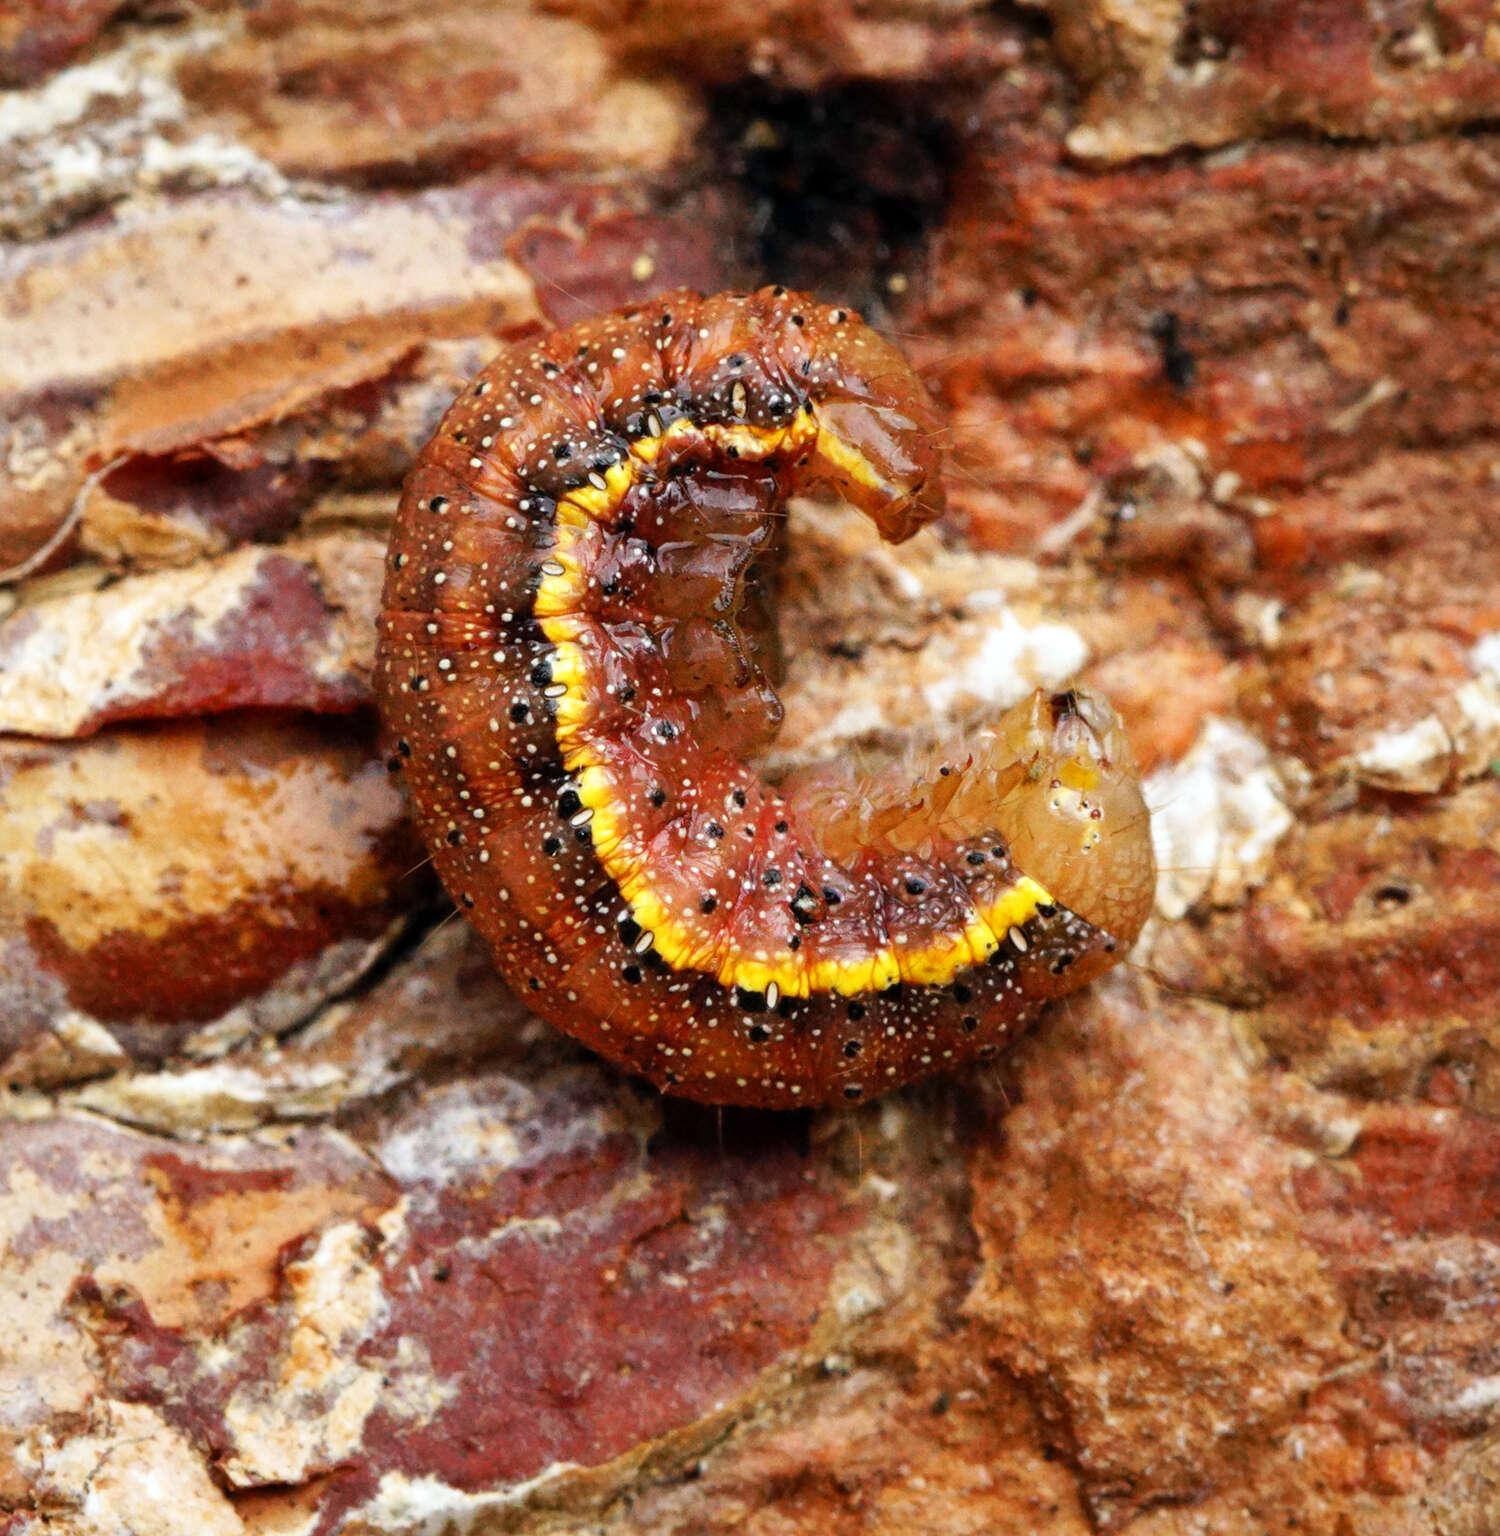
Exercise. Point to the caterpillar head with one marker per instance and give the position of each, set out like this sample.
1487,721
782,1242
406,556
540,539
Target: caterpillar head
1071,809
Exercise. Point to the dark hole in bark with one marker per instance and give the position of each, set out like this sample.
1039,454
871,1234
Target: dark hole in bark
841,185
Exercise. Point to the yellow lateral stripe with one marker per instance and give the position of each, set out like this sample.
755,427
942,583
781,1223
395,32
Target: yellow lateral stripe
568,514
590,503
557,596
760,442
559,599
849,460
853,978
939,962
681,950
1019,902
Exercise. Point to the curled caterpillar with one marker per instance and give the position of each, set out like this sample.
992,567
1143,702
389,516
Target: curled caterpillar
573,675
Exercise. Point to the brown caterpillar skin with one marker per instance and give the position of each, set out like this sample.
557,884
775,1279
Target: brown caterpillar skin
570,689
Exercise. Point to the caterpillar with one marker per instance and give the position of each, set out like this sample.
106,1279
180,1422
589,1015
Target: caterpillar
574,673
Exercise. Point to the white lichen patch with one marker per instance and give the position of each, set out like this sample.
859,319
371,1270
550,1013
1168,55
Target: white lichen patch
45,1362
463,1128
111,128
877,1273
998,660
130,1474
1477,1396
1479,703
1458,740
1485,656
427,1506
1415,758
1216,817
224,1096
458,1132
311,1413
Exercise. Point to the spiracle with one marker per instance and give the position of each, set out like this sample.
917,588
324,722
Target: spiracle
574,674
